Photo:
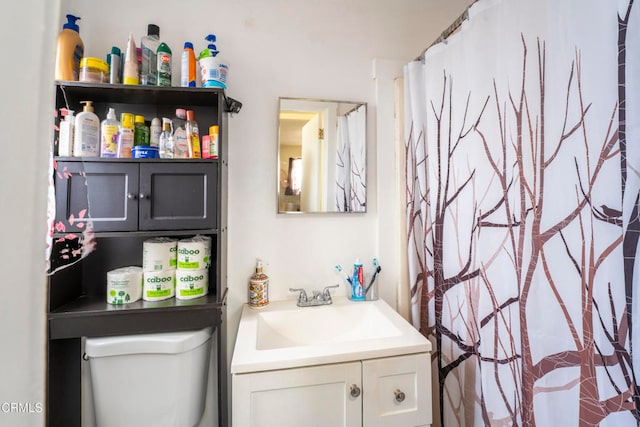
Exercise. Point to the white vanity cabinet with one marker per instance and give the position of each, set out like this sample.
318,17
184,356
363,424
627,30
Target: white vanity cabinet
392,391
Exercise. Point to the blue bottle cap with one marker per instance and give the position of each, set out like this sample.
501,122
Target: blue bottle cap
71,23
188,45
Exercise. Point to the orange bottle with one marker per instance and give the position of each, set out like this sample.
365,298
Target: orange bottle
69,50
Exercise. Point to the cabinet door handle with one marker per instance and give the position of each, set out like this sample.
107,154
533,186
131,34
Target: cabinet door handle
355,390
142,196
131,196
399,395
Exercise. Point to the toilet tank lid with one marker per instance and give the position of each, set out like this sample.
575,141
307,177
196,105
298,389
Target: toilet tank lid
163,343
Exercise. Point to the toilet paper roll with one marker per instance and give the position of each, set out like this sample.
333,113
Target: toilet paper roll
192,283
194,253
159,285
159,253
124,285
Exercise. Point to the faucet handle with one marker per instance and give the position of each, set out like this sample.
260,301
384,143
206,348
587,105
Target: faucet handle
302,297
325,292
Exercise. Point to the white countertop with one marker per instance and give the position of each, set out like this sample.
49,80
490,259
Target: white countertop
344,331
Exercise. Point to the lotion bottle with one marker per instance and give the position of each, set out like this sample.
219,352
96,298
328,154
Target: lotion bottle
86,137
125,136
130,73
65,138
69,50
193,135
166,144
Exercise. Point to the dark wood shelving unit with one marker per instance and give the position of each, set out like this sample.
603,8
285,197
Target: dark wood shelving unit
77,305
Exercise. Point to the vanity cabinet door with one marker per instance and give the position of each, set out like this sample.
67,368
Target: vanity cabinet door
175,196
397,391
317,396
105,191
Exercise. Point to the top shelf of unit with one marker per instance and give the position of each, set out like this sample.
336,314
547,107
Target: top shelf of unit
129,94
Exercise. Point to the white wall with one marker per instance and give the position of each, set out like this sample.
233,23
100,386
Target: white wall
275,48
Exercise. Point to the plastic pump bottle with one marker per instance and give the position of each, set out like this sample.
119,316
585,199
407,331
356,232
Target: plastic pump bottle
109,135
166,144
149,45
69,50
86,138
180,140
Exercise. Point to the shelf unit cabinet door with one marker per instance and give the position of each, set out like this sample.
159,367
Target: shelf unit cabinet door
107,195
175,196
317,396
397,391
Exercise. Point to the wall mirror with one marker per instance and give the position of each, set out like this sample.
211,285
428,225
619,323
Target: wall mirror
321,156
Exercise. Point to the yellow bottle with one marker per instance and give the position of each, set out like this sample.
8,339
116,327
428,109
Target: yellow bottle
69,51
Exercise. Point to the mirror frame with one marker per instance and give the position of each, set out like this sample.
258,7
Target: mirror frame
366,153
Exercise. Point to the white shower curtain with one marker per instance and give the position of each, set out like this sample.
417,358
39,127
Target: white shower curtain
523,163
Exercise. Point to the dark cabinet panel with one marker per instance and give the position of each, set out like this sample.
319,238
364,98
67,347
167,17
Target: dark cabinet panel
178,196
105,192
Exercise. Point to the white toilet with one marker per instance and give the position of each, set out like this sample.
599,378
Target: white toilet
149,380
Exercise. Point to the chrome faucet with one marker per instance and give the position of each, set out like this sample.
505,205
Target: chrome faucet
319,297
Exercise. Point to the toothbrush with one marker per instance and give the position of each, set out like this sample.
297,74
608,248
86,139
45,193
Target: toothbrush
346,276
375,273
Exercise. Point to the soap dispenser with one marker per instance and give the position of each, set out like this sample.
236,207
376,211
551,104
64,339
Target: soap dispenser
258,288
86,138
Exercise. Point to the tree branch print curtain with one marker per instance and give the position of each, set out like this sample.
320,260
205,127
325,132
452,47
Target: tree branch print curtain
351,188
523,197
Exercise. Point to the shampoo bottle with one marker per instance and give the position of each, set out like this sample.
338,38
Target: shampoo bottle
86,137
130,72
65,140
149,45
125,136
258,288
140,132
69,50
109,135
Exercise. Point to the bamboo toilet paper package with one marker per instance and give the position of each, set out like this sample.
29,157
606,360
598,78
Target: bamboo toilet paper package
194,253
159,253
159,285
124,285
192,283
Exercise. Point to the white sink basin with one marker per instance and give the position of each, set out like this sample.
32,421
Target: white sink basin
327,324
283,335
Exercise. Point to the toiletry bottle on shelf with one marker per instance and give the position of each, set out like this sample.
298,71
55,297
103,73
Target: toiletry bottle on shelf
213,143
140,132
166,144
164,65
130,72
109,135
125,136
180,140
154,132
69,50
258,288
149,63
86,137
193,135
65,137
357,292
114,59
188,69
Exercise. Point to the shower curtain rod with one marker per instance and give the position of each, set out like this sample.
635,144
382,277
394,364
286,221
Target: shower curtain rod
352,110
450,30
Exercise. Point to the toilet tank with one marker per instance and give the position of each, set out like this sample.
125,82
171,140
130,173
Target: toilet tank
150,379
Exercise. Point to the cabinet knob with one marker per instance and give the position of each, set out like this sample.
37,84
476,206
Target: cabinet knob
399,396
355,390
131,196
142,196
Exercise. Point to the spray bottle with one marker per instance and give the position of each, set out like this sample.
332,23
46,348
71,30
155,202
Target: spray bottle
109,135
69,50
164,65
188,71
